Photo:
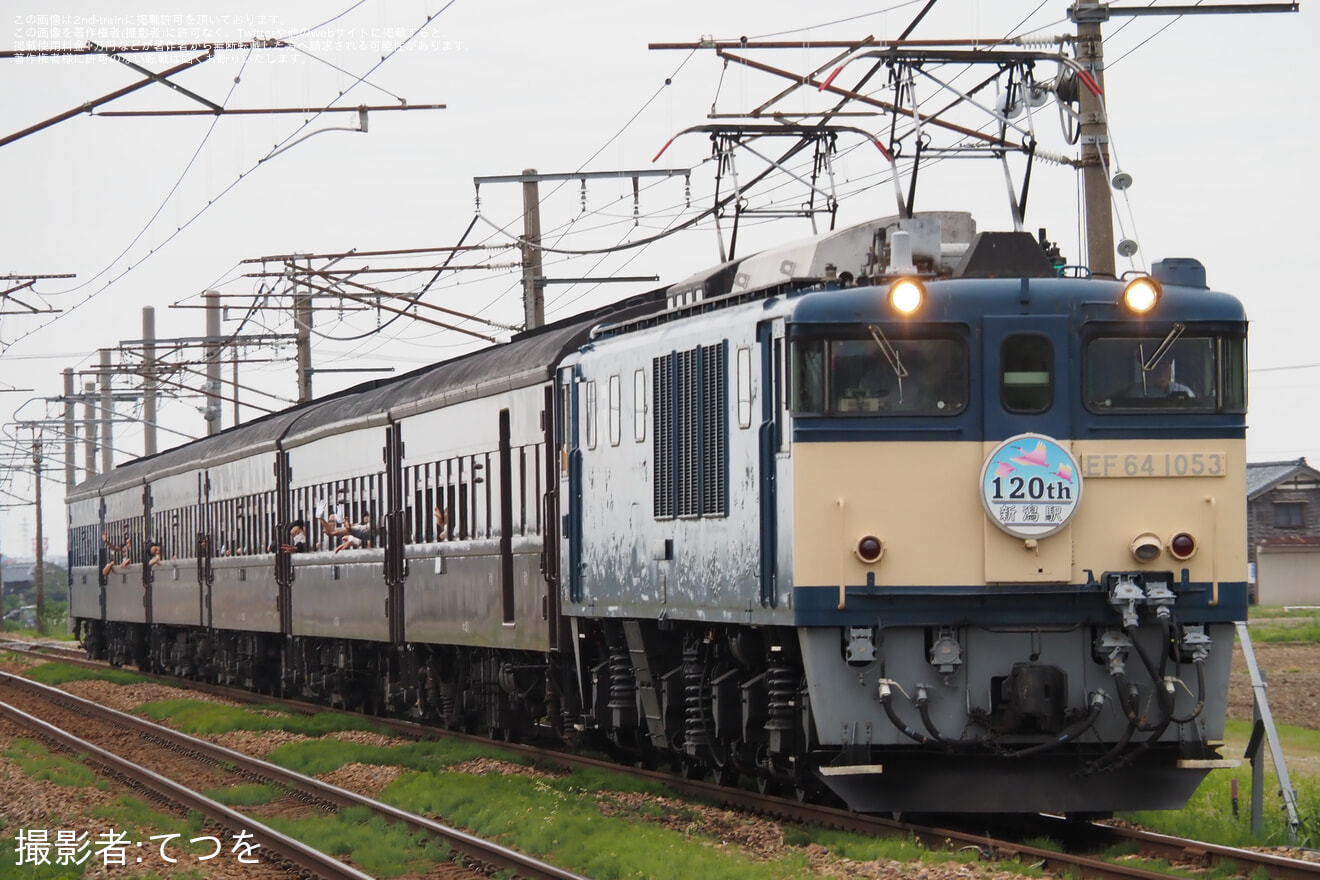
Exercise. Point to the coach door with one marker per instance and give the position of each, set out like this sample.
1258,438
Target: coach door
570,479
771,440
1027,390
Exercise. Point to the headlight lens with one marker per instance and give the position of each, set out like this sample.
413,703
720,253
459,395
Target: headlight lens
1146,547
906,295
1141,294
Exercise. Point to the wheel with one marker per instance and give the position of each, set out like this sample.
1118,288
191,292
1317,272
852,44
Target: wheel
726,774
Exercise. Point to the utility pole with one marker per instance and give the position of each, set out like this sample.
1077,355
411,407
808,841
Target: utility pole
148,380
1094,139
39,572
70,429
533,280
89,434
107,416
302,328
212,363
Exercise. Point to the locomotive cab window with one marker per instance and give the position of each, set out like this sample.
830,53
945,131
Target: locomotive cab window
876,376
1026,373
1178,372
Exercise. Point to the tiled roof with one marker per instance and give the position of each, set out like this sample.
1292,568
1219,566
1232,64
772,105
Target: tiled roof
1265,474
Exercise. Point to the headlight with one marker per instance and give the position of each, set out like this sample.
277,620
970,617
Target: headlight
1146,547
1141,294
906,295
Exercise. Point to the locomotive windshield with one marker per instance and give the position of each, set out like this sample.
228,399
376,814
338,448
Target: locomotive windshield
874,376
1182,370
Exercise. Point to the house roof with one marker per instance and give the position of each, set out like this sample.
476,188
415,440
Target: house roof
1265,475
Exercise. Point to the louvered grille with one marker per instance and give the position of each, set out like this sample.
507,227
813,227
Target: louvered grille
690,435
714,421
662,437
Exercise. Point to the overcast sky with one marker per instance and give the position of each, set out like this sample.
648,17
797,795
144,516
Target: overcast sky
1211,115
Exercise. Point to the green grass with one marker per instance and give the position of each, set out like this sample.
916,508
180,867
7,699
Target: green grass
250,795
557,820
1287,629
56,674
318,757
197,717
37,762
380,848
1208,816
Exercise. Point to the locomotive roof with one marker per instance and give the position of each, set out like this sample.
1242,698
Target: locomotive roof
968,299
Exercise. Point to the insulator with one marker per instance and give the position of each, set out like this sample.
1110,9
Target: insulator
1052,158
1041,41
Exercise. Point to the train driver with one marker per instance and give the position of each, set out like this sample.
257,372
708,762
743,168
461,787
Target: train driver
1159,381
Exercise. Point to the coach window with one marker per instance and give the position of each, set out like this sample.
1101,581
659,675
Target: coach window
1026,373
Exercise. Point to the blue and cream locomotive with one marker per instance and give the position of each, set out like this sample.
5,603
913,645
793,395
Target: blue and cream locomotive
897,513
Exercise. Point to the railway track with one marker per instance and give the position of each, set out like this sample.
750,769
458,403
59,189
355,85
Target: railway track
1081,837
159,751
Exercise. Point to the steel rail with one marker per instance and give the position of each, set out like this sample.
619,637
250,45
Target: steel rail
473,848
303,857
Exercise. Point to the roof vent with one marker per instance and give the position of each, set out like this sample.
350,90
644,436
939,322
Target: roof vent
1179,271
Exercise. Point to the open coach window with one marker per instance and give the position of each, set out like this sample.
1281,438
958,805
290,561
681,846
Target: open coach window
1185,370
876,376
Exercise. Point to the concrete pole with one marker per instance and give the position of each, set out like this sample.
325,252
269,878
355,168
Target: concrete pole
1094,137
302,329
212,362
234,363
70,432
107,415
39,572
89,430
148,380
533,281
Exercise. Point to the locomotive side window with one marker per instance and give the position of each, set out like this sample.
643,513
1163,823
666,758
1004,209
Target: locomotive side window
807,380
744,387
616,410
1177,371
639,405
589,407
1026,373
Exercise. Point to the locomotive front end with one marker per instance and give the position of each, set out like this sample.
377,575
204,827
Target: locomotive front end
1017,511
